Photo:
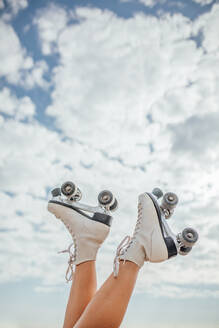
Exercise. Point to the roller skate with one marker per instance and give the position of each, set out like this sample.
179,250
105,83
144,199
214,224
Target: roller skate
88,225
153,240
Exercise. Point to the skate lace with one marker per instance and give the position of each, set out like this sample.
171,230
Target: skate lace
120,251
71,261
126,243
72,255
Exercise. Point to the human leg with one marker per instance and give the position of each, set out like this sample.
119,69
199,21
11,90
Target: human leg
108,306
150,242
82,290
88,229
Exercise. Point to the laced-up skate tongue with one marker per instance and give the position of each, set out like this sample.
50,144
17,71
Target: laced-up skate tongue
122,246
70,262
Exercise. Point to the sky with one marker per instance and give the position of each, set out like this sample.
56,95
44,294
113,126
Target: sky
120,95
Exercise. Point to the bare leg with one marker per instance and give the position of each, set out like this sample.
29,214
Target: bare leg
108,306
83,288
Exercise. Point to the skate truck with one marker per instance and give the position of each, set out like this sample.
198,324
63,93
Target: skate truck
185,240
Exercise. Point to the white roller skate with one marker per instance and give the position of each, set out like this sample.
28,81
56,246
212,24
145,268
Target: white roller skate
88,225
153,239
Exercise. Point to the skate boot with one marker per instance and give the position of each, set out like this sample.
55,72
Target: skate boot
153,240
88,225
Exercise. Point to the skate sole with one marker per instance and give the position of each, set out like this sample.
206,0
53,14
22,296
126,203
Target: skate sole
169,242
98,217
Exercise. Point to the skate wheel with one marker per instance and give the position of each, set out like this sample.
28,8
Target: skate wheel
157,192
56,192
189,237
114,206
170,199
68,188
184,250
106,198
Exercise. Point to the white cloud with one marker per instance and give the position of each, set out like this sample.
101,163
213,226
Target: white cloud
19,108
13,7
148,3
16,66
110,77
35,76
151,3
17,5
2,4
12,56
40,161
50,23
208,25
123,99
203,2
188,136
113,76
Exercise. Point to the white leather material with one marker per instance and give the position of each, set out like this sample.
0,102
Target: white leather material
147,242
135,253
87,234
150,235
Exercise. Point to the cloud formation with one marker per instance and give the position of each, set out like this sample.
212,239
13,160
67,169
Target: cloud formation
203,2
18,108
148,3
17,5
134,103
50,23
17,67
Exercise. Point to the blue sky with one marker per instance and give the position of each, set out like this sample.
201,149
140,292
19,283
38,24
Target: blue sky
119,95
